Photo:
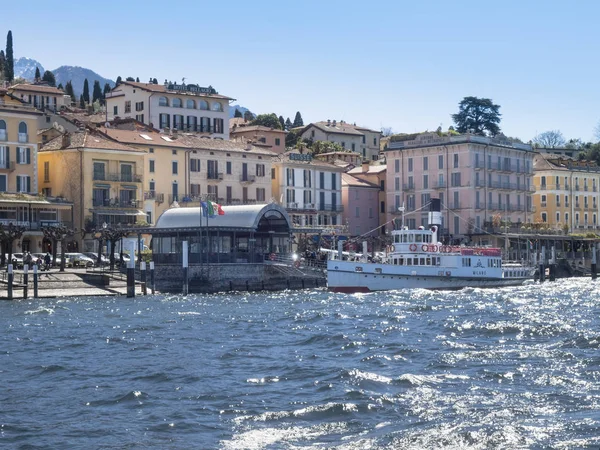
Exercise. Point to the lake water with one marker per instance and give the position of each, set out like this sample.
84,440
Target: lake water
472,369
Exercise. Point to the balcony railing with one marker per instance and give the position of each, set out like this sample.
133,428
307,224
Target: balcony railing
294,206
149,195
119,177
328,207
408,187
3,135
214,175
116,203
440,185
9,166
247,178
23,138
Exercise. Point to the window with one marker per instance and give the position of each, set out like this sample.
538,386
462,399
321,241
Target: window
164,120
260,170
127,106
382,207
375,141
151,166
174,152
260,194
149,216
228,194
322,180
152,186
456,160
139,118
217,106
544,217
343,145
203,104
307,178
3,136
397,166
23,183
290,177
176,103
3,183
139,106
218,125
273,173
228,168
212,169
190,104
357,212
425,181
163,101
353,147
382,185
23,155
277,141
115,110
174,167
455,179
194,165
425,163
397,183
151,150
46,171
99,171
410,164
440,161
333,182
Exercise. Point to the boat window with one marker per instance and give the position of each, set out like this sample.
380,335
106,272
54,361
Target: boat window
408,262
411,238
422,262
396,238
419,238
428,261
416,262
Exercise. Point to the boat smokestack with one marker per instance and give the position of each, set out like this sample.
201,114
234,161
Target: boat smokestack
435,217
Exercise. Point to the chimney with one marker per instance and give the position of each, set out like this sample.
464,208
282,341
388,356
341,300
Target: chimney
328,122
333,123
365,166
66,140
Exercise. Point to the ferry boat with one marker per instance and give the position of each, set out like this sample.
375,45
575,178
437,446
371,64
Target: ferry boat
416,259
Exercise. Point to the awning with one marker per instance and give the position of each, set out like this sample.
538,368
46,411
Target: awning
103,186
120,212
129,186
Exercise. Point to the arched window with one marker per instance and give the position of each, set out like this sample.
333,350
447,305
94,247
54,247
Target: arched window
190,104
2,125
163,101
23,128
176,103
203,104
216,106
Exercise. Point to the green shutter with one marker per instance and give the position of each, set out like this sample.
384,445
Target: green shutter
18,184
28,156
28,184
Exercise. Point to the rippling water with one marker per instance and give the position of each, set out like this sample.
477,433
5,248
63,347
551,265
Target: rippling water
503,368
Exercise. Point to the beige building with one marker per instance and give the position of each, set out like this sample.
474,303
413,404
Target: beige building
41,96
171,106
566,192
20,200
102,177
186,168
310,190
351,137
375,174
259,135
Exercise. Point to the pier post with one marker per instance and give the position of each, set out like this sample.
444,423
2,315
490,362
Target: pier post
152,286
143,274
340,249
10,281
35,281
25,279
543,265
594,261
365,251
552,274
131,274
185,268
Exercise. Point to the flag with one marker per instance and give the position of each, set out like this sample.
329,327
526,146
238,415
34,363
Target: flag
204,208
217,208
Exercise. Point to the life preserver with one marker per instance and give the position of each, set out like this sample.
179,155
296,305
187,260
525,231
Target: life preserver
433,248
456,249
448,274
272,256
297,263
413,247
444,249
425,247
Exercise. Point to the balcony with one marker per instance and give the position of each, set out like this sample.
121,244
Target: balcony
294,206
328,207
7,166
118,177
149,195
23,138
440,185
408,187
3,135
215,176
35,225
116,203
247,178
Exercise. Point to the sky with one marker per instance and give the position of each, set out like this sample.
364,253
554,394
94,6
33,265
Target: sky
399,64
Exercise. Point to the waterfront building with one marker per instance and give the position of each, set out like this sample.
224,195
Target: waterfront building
21,202
566,192
348,160
478,179
171,106
359,199
102,177
351,137
258,135
374,173
310,190
186,168
40,96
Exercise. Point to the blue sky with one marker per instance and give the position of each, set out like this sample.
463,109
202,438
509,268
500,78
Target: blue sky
399,64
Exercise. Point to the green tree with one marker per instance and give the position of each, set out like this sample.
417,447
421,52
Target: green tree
137,80
9,66
237,113
478,116
248,116
129,79
96,92
69,91
61,87
288,124
49,78
298,122
267,120
119,81
282,122
591,154
154,81
81,102
2,64
292,138
37,74
326,147
86,91
105,91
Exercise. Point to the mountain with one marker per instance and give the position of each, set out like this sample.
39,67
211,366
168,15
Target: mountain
25,68
77,75
232,109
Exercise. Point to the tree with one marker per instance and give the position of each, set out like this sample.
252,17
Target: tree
119,81
298,122
96,92
288,124
292,137
61,87
49,78
105,91
37,74
478,116
86,91
137,80
549,139
248,116
9,66
9,234
69,91
81,102
327,147
282,122
58,234
267,120
237,113
386,131
154,81
2,64
129,79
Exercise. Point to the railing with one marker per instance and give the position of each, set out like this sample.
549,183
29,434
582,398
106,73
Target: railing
247,178
149,195
328,207
116,203
3,135
408,187
10,166
214,175
23,138
440,185
119,177
35,225
294,206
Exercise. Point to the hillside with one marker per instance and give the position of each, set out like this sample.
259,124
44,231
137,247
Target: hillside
77,75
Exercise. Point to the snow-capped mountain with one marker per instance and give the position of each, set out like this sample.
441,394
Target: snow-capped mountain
25,68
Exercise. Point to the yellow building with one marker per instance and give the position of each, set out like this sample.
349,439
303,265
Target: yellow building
20,200
102,177
566,192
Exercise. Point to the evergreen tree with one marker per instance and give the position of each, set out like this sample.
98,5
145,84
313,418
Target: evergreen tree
49,78
81,102
119,80
2,64
282,122
288,124
237,113
61,87
96,92
9,66
86,91
478,116
137,80
105,91
298,122
69,91
267,120
248,116
154,81
129,79
37,74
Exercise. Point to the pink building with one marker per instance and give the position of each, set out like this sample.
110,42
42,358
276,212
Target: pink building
476,178
360,199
